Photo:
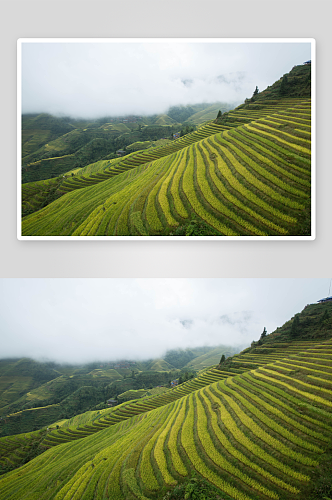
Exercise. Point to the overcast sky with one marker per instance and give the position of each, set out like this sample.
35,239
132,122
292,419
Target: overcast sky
98,79
80,320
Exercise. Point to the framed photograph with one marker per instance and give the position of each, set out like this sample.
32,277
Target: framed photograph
166,139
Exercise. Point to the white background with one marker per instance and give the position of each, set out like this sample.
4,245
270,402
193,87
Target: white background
165,18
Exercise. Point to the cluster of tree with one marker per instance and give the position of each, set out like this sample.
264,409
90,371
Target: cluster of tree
194,228
186,376
261,338
222,359
296,83
187,129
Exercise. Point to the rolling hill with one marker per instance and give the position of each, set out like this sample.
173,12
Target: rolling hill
247,173
52,146
256,427
34,394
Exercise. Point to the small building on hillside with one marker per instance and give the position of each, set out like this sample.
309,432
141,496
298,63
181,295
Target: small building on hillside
307,62
120,152
327,299
176,135
112,402
174,383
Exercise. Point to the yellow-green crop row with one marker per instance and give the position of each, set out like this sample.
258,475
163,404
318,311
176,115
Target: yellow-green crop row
130,480
218,458
118,223
158,450
172,441
121,222
276,138
295,116
311,386
303,365
273,120
151,211
162,195
179,207
259,432
257,138
188,443
225,443
239,187
316,356
320,379
276,118
308,395
249,444
214,201
189,190
274,410
120,452
262,171
146,470
291,136
221,188
282,395
269,422
259,184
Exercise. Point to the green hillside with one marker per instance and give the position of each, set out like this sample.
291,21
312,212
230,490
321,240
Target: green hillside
34,394
37,130
209,113
259,429
210,358
18,377
245,173
161,365
252,178
52,146
165,120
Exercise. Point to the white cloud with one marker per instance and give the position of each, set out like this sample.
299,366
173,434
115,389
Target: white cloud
78,320
99,79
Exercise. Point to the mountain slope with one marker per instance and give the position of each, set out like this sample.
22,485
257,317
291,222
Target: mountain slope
258,426
256,435
251,179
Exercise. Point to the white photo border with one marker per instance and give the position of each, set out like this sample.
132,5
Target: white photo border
22,41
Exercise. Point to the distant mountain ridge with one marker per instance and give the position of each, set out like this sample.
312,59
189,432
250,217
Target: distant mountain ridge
54,145
64,390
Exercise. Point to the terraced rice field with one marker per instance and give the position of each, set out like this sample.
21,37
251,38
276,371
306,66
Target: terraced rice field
255,435
248,177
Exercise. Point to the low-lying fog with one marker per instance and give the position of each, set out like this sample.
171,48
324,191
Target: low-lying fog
92,79
81,320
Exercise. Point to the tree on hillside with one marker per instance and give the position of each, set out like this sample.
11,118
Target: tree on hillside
219,114
187,129
222,359
264,333
295,329
284,86
254,94
325,319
